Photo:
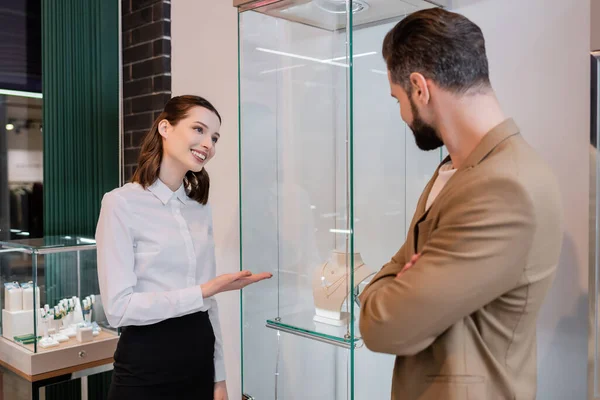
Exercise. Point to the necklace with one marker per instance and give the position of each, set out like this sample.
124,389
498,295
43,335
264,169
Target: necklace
330,288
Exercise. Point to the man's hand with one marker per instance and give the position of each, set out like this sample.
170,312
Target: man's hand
234,281
409,264
220,391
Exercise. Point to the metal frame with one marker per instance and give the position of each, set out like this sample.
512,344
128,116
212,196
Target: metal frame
594,260
66,249
62,249
121,126
245,5
4,186
344,345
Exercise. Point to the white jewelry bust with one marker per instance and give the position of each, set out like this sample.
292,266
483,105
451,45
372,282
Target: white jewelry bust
331,287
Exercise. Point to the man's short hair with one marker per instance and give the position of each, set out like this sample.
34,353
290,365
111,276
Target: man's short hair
443,46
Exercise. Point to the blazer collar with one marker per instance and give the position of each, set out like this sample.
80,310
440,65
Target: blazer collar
493,138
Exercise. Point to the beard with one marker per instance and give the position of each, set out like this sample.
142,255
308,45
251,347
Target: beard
426,136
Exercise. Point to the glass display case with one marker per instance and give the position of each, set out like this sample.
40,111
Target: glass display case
52,315
329,179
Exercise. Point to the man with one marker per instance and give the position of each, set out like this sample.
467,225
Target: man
459,301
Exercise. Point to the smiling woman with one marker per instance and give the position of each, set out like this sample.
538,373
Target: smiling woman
156,263
191,124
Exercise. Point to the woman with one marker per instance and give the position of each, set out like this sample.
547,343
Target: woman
156,263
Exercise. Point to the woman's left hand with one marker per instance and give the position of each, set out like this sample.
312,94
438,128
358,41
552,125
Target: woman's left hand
220,391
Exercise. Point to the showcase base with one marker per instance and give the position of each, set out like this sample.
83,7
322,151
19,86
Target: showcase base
67,354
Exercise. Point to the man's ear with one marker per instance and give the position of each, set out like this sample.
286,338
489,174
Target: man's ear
420,89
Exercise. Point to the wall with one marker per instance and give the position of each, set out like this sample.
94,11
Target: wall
146,28
595,27
204,62
539,61
540,68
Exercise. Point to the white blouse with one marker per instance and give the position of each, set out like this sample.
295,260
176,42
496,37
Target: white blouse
155,247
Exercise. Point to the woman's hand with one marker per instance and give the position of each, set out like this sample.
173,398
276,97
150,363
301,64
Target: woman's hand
220,391
234,281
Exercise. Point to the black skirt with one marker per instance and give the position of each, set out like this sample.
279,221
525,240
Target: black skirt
173,359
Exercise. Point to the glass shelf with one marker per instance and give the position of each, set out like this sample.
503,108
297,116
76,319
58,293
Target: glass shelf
50,244
303,324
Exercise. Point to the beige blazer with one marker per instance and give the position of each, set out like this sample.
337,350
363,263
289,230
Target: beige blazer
462,320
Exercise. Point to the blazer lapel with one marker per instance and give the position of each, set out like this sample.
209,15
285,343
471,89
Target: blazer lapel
489,142
420,211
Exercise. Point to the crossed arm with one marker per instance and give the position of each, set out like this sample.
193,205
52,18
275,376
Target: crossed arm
475,254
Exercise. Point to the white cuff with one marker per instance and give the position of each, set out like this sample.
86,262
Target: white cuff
219,370
190,299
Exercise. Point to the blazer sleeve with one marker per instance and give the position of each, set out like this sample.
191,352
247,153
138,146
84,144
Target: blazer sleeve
476,253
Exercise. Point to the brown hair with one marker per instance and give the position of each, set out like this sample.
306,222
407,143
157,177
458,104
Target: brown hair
197,184
443,46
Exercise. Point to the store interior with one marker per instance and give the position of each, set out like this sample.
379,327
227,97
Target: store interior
307,155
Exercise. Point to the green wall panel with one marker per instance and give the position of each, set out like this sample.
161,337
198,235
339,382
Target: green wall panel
81,111
80,53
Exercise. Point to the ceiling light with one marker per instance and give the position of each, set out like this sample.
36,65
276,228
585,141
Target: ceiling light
331,61
10,127
301,57
339,6
20,93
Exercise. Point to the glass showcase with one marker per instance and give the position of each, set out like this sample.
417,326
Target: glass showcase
49,295
329,179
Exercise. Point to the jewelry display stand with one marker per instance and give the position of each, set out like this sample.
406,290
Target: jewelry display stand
331,287
42,332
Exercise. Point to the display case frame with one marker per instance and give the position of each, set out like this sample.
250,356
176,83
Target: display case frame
277,188
71,344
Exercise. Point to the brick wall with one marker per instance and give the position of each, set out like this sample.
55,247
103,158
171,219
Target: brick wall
146,28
